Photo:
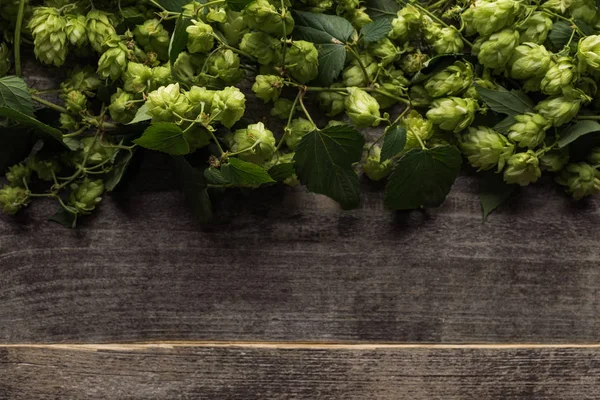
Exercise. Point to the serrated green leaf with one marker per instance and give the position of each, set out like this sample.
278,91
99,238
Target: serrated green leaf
238,5
193,185
560,34
141,115
324,161
575,131
214,176
393,141
15,95
281,172
321,28
40,127
493,191
332,58
242,173
173,5
376,30
64,218
502,101
382,8
114,176
423,178
166,137
179,38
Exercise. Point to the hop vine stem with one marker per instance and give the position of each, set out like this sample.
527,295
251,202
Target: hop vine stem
18,26
439,20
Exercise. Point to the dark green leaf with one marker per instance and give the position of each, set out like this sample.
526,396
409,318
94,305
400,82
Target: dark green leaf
238,5
393,141
179,38
141,115
585,27
493,191
434,65
282,171
423,178
173,5
502,101
214,176
321,28
72,143
15,95
242,173
40,127
133,16
193,185
114,176
560,34
503,125
382,8
573,132
166,137
65,218
376,30
324,163
332,58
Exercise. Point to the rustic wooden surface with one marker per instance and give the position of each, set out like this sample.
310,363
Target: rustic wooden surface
287,266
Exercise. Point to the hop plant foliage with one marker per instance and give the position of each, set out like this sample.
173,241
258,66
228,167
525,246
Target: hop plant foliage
510,86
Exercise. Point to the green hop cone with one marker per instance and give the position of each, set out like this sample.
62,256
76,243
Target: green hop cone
264,47
226,65
594,156
85,195
99,29
413,62
137,78
554,160
233,28
400,28
588,51
113,62
558,76
584,10
299,128
495,52
44,169
467,20
201,100
485,148
451,81
4,59
353,74
18,175
452,113
153,37
186,67
529,130
417,128
166,102
97,151
263,16
282,108
268,87
67,122
471,92
581,180
122,108
535,29
218,14
391,81
346,5
492,16
419,95
385,51
522,169
200,37
358,17
161,76
257,141
448,41
76,30
302,61
529,60
84,79
332,102
559,109
229,106
362,108
75,101
48,29
558,6
374,168
12,199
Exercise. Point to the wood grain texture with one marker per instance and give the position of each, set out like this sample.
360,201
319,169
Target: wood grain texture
283,264
265,374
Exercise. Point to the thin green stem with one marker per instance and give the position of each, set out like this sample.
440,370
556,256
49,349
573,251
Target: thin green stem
420,141
305,110
77,132
289,121
49,104
569,20
235,153
216,142
283,11
360,63
387,94
590,117
439,21
235,50
18,25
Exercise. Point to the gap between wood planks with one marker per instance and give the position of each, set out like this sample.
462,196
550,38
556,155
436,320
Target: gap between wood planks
299,345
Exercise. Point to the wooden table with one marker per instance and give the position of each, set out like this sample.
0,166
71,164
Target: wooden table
290,298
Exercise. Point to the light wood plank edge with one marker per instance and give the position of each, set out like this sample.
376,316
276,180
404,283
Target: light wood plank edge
298,345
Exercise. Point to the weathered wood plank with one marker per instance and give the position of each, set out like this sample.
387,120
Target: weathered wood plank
288,265
270,373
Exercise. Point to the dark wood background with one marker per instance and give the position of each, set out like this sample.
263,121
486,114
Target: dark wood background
286,296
